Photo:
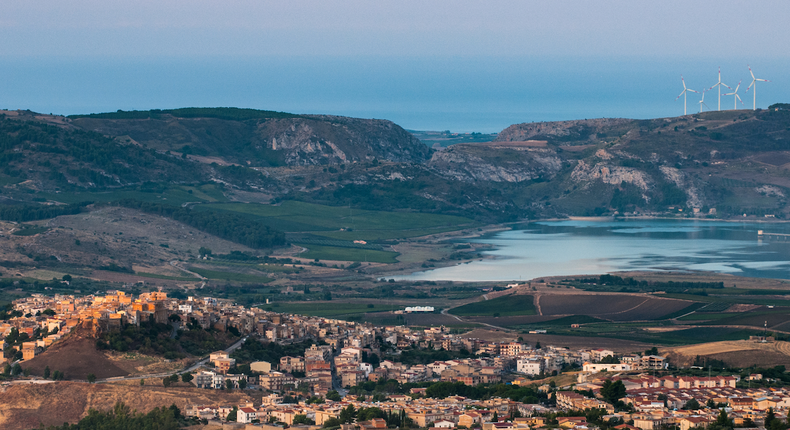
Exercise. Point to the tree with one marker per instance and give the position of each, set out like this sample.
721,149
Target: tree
67,278
7,369
187,377
49,312
495,418
348,414
723,420
651,351
142,381
232,414
537,345
203,251
333,395
613,391
166,381
302,419
691,405
46,372
229,384
770,417
16,370
610,359
242,384
332,422
91,378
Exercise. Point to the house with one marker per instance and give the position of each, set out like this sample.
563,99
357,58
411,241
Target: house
688,423
246,415
571,422
444,424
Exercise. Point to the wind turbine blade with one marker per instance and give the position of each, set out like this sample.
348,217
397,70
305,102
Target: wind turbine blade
706,105
683,81
750,85
763,80
680,95
689,89
750,71
739,98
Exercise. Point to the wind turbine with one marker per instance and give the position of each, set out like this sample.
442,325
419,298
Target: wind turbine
702,102
719,84
736,98
754,81
684,93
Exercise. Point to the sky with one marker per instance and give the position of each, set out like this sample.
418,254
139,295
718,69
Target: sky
460,65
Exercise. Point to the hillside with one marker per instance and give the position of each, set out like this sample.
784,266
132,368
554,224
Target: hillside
261,138
717,164
29,406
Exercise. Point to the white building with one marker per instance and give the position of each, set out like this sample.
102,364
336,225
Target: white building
600,367
246,415
530,366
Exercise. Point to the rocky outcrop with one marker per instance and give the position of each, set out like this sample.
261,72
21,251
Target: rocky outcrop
335,140
611,174
681,181
478,163
586,129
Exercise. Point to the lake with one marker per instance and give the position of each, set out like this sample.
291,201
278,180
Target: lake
552,248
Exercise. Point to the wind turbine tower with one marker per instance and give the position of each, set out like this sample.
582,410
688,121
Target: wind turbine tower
736,98
754,81
719,84
702,102
684,93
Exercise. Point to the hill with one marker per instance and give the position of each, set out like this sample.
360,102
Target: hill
260,138
26,406
76,356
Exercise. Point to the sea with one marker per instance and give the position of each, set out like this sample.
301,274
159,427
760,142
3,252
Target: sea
574,247
460,94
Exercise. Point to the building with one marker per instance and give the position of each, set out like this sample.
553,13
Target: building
246,415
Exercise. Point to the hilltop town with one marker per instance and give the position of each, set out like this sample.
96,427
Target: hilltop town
380,376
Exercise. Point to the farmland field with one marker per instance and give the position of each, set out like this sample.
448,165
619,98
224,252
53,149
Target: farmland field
173,195
328,309
348,254
292,216
231,276
610,306
501,306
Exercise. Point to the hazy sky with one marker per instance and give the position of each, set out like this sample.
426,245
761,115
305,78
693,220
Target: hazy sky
68,52
401,28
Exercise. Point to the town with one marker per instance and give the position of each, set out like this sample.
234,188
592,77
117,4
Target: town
358,373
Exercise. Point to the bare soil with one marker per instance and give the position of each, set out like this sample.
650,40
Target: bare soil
76,356
738,353
27,406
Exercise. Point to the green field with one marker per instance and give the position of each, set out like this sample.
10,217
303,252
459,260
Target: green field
328,309
30,231
173,195
500,306
327,221
231,276
171,278
348,254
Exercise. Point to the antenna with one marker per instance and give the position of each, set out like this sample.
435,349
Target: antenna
754,81
684,94
736,98
719,84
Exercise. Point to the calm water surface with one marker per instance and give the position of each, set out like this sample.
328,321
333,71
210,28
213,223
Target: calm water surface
587,247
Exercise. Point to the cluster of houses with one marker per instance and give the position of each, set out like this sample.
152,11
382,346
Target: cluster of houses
338,359
652,408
